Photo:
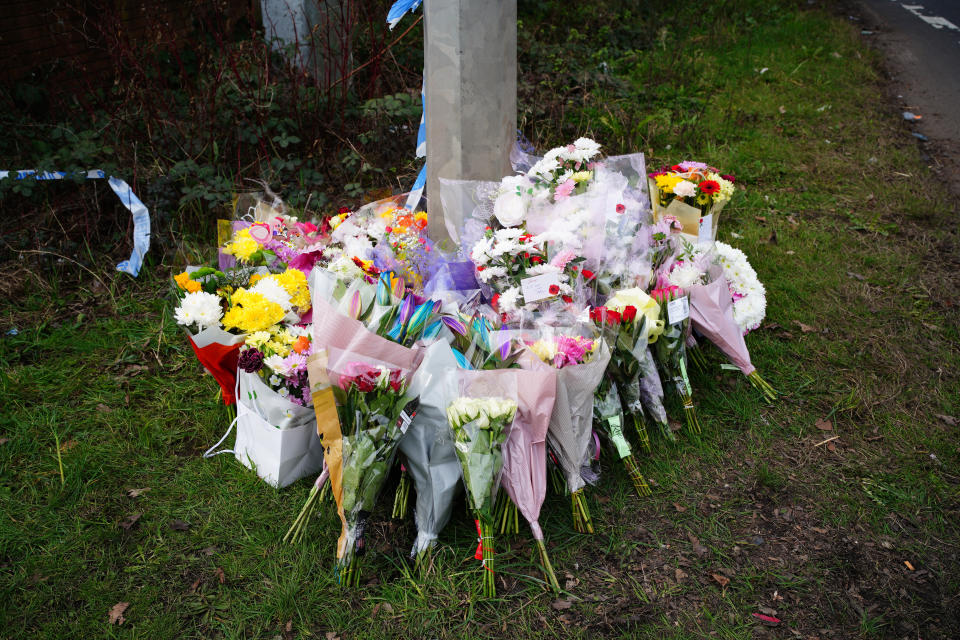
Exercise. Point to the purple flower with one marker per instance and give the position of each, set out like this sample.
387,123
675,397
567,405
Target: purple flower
250,360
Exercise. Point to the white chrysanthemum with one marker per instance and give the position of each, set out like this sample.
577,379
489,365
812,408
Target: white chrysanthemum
275,363
505,247
545,168
199,308
586,148
480,253
296,330
346,268
750,309
273,291
508,300
558,237
685,275
540,269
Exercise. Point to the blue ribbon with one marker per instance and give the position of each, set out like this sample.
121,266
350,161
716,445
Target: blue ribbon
141,215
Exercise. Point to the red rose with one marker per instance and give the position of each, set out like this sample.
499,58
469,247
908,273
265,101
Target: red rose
587,274
566,299
621,208
536,259
481,268
494,301
554,289
343,210
613,317
629,313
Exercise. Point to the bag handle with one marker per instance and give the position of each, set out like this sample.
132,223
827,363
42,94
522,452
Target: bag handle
209,453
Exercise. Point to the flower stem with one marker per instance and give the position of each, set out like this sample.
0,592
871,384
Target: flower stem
639,484
548,573
298,528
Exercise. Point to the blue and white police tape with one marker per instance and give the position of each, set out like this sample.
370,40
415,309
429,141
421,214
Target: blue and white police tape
400,9
141,216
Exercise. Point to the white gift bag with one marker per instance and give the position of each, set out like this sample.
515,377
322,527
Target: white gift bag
275,437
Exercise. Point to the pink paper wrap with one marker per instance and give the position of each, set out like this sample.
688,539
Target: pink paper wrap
525,451
711,312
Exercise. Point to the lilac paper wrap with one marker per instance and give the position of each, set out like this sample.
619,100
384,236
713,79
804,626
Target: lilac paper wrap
711,312
525,451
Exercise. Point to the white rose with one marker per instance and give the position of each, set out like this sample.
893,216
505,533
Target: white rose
685,189
510,207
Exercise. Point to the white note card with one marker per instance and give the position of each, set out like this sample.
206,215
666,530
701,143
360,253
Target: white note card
705,232
538,287
678,310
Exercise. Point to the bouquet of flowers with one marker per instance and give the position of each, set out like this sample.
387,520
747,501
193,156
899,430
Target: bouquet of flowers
374,412
670,348
480,427
202,295
580,363
608,414
279,356
273,239
515,265
689,192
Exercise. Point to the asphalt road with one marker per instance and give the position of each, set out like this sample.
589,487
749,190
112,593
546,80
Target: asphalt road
922,46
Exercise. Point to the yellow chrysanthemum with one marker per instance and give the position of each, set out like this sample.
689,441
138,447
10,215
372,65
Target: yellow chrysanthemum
242,246
294,282
252,312
666,182
184,282
581,176
257,339
255,278
546,350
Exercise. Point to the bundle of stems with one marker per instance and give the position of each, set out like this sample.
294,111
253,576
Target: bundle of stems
317,494
769,393
505,515
581,512
401,500
639,484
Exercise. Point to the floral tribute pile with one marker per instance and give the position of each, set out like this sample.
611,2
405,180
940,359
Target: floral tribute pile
562,325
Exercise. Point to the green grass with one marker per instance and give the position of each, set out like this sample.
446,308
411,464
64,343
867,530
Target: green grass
107,374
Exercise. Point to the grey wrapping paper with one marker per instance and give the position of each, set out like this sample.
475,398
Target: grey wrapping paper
571,421
428,444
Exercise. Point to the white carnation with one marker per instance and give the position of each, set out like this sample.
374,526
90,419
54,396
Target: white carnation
685,276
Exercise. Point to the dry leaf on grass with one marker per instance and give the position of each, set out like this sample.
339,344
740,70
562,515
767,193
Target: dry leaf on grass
179,525
723,581
136,493
116,613
805,327
220,575
129,521
824,425
560,605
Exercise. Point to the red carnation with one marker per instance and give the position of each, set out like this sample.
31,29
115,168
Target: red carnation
494,301
629,313
481,268
587,274
728,178
709,187
536,259
343,210
554,289
566,299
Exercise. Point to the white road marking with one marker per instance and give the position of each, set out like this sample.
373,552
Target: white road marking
936,22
